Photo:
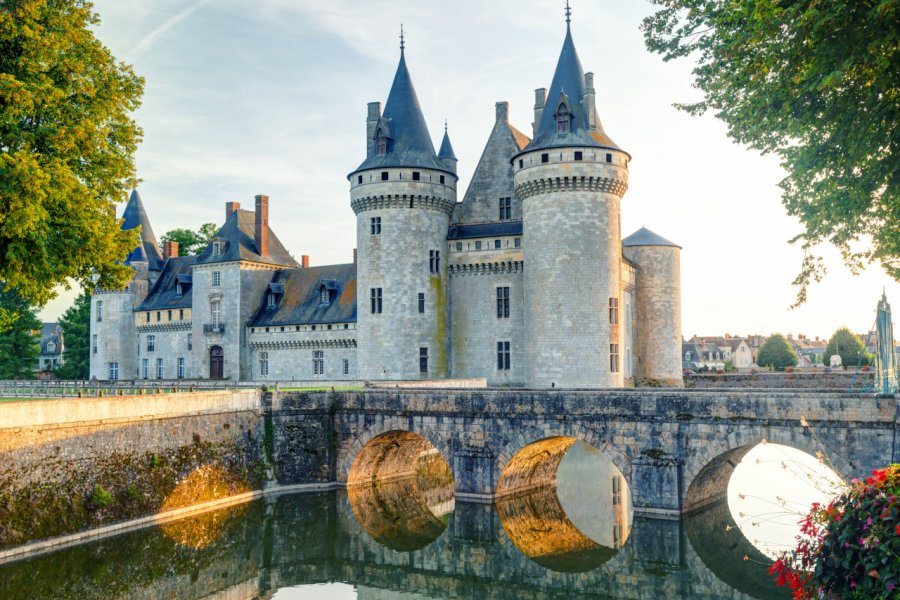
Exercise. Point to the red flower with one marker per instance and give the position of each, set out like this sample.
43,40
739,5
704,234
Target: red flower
897,529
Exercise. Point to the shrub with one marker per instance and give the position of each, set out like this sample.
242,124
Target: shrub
850,548
789,369
101,497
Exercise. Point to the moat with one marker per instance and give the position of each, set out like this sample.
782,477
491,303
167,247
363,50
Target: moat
392,541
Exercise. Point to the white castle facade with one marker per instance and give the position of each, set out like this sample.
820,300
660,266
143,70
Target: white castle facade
526,282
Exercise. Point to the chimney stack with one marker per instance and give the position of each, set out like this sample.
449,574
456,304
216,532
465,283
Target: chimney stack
590,101
540,99
354,257
170,249
502,109
231,207
374,115
262,225
304,261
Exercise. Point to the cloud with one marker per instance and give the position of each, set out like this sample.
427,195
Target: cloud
150,40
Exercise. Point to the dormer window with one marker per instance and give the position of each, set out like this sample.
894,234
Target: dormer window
272,301
217,248
178,290
380,142
563,119
324,295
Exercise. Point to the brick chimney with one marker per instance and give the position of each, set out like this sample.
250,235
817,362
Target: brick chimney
170,249
231,207
262,225
304,261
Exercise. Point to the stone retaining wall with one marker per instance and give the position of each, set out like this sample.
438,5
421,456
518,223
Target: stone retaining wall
836,380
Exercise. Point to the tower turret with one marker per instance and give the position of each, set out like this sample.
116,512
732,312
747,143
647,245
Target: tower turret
446,154
403,195
571,179
657,339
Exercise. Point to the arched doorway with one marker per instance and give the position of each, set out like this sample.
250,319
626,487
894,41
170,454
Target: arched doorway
216,363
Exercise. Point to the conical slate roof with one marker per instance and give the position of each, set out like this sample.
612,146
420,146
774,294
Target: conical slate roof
134,216
409,142
645,237
568,84
446,150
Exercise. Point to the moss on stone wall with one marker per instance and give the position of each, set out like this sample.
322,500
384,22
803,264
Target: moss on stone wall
441,364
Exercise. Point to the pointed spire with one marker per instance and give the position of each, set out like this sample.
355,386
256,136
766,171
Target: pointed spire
446,150
409,143
134,216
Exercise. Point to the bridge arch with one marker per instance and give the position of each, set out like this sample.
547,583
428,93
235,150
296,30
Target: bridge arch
532,435
708,471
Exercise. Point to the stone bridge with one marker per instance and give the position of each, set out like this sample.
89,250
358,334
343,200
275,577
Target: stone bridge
675,448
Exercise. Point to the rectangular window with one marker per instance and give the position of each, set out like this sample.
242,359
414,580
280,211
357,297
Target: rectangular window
94,344
416,176
217,278
158,316
375,296
497,244
151,343
346,369
616,490
217,248
145,368
100,313
578,155
545,158
478,245
384,175
376,225
518,243
190,341
113,371
423,360
181,314
421,302
609,158
505,209
613,311
521,163
614,358
159,368
169,315
180,367
503,356
434,261
318,362
503,302
442,179
459,246
359,179
263,364
270,302
215,312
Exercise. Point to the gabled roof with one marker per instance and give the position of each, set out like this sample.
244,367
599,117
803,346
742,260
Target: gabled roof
51,332
135,216
568,85
410,144
463,232
645,237
164,293
299,302
239,237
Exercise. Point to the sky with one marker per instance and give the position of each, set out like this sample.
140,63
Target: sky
269,97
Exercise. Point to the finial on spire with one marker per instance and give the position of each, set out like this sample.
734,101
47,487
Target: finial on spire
445,125
568,15
402,39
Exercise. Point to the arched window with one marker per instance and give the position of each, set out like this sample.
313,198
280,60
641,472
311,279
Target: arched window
380,142
563,119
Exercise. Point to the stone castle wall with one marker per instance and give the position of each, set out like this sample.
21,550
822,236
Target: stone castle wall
290,352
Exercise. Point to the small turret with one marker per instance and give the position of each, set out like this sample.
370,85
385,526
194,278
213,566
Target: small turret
446,153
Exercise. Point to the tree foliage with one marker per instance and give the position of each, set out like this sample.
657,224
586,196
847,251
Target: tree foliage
76,326
189,241
67,143
818,84
20,343
849,347
778,353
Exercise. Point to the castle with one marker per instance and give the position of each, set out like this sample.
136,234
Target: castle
527,282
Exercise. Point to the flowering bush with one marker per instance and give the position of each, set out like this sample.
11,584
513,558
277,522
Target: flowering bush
850,548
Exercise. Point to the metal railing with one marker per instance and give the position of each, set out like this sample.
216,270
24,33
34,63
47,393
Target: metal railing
44,389
214,328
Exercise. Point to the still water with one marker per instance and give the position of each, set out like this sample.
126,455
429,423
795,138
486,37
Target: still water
391,540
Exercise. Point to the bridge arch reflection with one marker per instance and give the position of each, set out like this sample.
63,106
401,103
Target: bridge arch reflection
564,504
400,489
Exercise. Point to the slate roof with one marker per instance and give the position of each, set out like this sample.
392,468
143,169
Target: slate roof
299,303
645,237
568,81
134,216
164,292
51,332
446,150
410,144
239,235
463,232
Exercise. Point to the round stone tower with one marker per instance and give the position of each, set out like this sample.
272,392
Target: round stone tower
571,179
403,195
658,307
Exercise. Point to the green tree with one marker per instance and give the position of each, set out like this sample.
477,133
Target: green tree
76,326
778,353
67,143
849,347
189,241
818,84
20,343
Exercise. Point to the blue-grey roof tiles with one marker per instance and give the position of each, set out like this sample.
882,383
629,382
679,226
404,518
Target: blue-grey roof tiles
299,303
164,293
645,237
238,235
135,216
479,230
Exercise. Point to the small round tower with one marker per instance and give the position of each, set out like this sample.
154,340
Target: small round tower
571,179
403,195
657,338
